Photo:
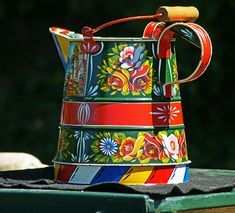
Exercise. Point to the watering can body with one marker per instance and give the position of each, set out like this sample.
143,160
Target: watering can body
119,120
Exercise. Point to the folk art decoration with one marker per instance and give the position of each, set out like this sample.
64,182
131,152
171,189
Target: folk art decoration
121,118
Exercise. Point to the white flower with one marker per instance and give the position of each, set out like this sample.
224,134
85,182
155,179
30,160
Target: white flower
131,58
108,146
166,113
171,146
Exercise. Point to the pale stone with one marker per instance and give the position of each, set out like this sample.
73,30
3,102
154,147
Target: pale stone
19,161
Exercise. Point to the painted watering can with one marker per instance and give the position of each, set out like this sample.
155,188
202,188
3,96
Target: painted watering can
121,118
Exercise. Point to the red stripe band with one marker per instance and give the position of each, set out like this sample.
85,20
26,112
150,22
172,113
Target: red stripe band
122,114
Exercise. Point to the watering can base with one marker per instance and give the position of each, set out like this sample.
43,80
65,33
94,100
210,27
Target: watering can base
127,175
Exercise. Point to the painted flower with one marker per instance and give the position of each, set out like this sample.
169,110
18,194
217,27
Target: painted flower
108,146
131,148
127,71
143,158
157,90
127,146
63,149
131,57
171,146
139,79
166,113
142,83
152,147
182,144
115,82
151,151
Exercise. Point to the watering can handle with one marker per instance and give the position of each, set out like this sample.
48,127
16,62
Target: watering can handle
164,43
167,14
164,14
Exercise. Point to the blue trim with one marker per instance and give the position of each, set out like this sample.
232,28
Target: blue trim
59,51
110,174
186,175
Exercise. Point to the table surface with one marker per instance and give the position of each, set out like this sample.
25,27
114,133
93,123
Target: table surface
22,199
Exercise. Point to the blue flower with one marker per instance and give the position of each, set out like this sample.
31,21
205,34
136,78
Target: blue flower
132,57
108,146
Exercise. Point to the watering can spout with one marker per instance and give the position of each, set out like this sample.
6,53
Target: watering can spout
62,39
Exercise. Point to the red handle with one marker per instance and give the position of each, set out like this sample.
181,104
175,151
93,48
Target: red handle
164,43
125,20
90,46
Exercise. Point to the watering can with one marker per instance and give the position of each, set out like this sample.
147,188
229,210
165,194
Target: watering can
121,118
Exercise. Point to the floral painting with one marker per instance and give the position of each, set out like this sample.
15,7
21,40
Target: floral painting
126,71
144,148
125,147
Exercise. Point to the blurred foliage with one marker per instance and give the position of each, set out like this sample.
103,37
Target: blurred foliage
32,74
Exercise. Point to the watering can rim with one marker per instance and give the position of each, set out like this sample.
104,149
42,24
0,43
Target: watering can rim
73,36
124,164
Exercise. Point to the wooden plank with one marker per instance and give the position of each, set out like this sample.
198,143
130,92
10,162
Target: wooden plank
193,202
228,209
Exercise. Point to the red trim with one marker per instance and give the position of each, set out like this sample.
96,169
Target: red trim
65,172
160,175
165,44
122,114
163,50
153,29
207,49
168,90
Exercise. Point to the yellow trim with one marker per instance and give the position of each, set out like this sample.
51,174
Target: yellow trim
137,175
56,170
64,46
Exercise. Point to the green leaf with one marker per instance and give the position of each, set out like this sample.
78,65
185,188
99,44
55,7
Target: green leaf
116,159
103,71
105,63
145,52
99,135
107,135
162,133
119,137
115,50
95,146
104,159
135,93
141,134
177,133
113,93
125,93
97,158
122,46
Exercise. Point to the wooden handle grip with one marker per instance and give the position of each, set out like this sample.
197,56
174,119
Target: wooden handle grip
174,14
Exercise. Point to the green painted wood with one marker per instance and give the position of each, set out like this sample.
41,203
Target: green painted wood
30,200
190,202
43,201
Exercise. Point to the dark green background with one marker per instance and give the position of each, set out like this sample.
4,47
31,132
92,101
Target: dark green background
32,74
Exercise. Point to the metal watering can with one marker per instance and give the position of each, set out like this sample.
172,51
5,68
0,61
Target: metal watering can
121,118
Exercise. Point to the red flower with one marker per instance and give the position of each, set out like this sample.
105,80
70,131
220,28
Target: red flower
139,79
182,143
141,83
151,151
115,82
152,147
127,146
